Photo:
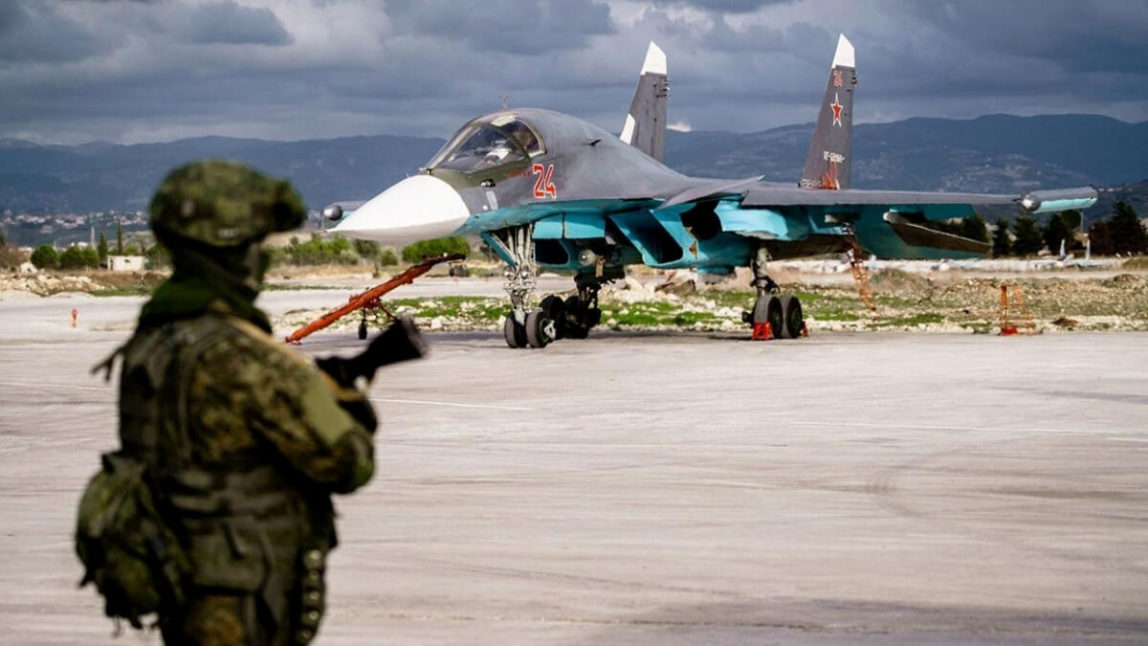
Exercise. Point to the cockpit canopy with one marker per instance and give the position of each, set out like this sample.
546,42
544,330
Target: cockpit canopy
486,142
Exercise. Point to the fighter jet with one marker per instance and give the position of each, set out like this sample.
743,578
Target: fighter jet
549,191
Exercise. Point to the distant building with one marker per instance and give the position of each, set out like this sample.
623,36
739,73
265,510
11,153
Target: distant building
125,263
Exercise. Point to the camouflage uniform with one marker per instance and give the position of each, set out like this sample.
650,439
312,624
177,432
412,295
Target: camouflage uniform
247,437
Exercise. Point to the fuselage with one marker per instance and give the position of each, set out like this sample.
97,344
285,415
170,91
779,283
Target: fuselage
578,184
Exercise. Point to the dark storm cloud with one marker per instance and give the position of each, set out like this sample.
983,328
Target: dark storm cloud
1084,35
226,22
32,32
513,26
721,6
292,69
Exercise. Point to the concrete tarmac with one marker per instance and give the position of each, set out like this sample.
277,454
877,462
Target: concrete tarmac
641,489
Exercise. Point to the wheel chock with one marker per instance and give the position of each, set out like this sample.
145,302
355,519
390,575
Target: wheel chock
804,330
762,331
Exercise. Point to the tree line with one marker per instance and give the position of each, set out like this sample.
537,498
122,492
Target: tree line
1119,233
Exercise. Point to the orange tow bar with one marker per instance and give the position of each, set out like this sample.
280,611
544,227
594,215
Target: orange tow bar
370,298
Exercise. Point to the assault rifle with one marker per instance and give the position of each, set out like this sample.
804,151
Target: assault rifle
402,341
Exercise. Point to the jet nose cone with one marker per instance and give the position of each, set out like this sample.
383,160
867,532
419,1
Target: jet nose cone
418,208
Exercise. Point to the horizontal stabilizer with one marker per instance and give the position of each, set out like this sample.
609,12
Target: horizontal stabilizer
916,235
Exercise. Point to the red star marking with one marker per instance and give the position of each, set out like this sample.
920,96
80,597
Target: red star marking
836,105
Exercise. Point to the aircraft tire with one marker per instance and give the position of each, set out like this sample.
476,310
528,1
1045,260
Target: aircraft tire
539,329
793,317
514,333
767,309
554,309
363,331
578,332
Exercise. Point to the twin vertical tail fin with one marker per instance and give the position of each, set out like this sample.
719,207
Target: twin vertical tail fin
829,160
645,127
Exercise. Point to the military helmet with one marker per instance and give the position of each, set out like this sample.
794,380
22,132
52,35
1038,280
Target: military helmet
223,204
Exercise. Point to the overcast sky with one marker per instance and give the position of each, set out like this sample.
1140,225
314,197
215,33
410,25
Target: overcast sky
131,71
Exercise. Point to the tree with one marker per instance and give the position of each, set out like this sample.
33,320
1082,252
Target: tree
45,257
419,251
119,237
71,258
158,256
975,228
89,257
1002,244
1055,231
1072,219
1100,235
367,249
1028,241
1128,235
388,257
102,249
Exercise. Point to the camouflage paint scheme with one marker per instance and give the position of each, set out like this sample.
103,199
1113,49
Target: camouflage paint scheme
588,189
252,402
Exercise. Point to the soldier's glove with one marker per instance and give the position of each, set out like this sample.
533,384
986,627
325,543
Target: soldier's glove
402,341
360,409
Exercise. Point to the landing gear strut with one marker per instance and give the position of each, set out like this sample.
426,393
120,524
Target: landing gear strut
521,328
581,311
554,318
773,316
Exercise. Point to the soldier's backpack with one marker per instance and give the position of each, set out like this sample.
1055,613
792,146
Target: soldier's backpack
123,539
127,549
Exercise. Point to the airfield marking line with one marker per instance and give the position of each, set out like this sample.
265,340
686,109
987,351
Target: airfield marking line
424,402
928,427
17,384
427,402
1140,440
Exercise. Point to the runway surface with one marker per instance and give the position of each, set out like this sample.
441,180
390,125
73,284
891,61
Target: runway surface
629,489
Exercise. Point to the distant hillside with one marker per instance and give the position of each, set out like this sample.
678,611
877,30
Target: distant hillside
996,153
105,176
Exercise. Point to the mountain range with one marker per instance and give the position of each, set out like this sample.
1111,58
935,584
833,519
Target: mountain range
994,153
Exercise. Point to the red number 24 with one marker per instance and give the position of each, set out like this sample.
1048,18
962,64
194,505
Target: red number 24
543,186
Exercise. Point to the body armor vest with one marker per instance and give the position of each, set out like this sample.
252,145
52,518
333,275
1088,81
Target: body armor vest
245,528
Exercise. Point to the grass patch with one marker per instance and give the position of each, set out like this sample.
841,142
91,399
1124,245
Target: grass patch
282,287
924,318
134,290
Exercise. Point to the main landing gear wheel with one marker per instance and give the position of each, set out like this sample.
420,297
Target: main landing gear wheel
514,333
793,317
540,330
768,309
554,309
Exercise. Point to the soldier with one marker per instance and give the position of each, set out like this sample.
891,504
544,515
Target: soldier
246,439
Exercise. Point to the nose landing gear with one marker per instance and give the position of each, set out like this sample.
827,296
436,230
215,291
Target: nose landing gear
554,318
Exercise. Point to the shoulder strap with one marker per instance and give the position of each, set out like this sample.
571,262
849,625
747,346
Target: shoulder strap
172,406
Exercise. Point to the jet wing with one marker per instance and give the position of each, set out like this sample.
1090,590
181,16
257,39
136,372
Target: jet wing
1035,202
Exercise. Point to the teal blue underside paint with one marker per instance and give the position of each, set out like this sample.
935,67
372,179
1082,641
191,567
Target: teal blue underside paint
660,240
879,239
1053,206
